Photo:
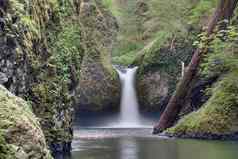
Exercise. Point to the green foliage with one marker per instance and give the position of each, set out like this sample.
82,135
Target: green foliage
223,53
65,8
153,51
159,55
145,21
111,5
107,3
126,53
169,16
129,36
201,11
125,59
67,50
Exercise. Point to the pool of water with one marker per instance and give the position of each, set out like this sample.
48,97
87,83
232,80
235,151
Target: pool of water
125,143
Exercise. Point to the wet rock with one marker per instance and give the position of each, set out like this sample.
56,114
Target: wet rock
153,91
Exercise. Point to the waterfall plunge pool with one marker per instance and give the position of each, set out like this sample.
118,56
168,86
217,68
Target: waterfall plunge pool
128,135
137,143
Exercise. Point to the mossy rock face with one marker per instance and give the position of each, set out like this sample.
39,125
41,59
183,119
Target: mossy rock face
99,82
159,70
28,68
20,132
218,118
23,43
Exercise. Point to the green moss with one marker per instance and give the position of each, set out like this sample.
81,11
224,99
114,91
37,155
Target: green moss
48,91
52,97
6,151
46,47
218,115
15,114
9,112
28,22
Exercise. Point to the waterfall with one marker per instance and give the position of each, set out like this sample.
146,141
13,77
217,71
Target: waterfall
129,113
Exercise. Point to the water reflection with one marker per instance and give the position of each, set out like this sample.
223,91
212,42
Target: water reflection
152,148
128,148
134,144
207,149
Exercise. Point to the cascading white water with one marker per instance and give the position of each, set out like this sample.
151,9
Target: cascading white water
129,115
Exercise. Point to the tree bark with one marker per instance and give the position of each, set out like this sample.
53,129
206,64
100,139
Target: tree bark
224,11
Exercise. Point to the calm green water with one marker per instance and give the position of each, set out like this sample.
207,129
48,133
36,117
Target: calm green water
108,143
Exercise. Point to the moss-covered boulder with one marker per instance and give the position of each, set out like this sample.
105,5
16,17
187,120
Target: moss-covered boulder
99,82
218,118
20,132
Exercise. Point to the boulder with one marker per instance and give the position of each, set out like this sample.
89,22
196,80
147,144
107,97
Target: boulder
21,136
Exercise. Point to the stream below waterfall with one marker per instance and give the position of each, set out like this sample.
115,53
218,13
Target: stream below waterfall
137,143
128,134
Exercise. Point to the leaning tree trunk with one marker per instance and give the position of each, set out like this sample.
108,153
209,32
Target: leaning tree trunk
224,11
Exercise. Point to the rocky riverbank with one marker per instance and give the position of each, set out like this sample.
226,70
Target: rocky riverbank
217,118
